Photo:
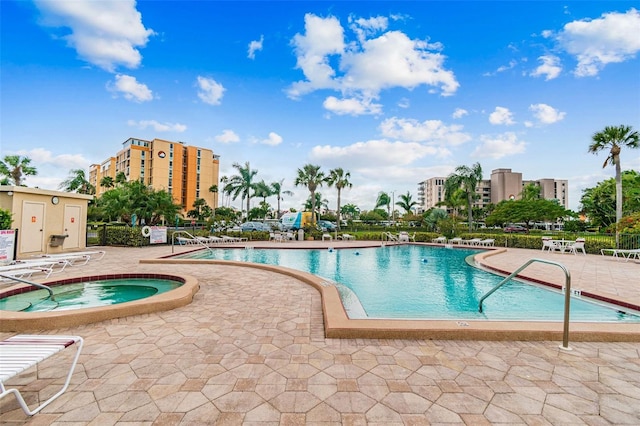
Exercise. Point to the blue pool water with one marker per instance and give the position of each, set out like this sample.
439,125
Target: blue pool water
87,294
423,282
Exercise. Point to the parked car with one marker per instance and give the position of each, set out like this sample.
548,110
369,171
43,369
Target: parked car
254,226
515,229
325,225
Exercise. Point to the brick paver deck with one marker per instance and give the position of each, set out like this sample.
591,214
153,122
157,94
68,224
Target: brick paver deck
250,349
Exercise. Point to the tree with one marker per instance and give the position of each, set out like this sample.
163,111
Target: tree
201,209
5,219
433,216
13,167
131,198
121,178
453,200
107,182
263,190
384,200
77,182
338,178
214,190
319,202
242,183
526,211
406,203
276,189
599,203
350,211
467,179
530,191
614,138
311,177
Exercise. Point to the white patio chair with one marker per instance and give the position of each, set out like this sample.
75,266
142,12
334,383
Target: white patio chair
578,245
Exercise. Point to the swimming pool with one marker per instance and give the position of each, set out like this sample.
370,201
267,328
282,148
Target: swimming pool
87,294
423,282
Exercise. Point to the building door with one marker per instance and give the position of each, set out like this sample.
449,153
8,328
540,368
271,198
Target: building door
71,227
32,227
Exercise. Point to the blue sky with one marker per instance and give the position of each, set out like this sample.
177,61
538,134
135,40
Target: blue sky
393,92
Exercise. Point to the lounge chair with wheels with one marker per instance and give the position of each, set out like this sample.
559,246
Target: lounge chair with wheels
23,351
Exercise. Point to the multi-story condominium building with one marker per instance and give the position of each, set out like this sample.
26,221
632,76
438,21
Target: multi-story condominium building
503,185
186,172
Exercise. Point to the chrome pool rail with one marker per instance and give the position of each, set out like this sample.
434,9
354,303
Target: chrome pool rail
567,294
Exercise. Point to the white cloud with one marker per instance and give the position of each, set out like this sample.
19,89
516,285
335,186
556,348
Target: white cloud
546,114
129,87
364,154
459,113
157,126
429,131
44,156
364,28
103,33
227,136
550,67
364,67
211,91
351,106
255,46
273,139
500,146
595,43
501,115
404,103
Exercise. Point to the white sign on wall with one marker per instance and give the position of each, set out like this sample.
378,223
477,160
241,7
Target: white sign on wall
7,244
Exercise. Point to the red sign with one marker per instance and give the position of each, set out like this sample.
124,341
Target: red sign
33,219
73,219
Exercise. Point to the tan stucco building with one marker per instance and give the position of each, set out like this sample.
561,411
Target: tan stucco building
186,172
47,221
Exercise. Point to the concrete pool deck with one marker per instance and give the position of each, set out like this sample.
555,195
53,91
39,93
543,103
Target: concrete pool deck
251,349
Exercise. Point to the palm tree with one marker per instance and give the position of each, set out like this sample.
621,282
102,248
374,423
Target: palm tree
276,189
107,182
614,138
311,177
214,190
319,202
14,167
384,200
242,183
338,178
467,179
406,202
77,182
223,181
263,190
121,178
350,211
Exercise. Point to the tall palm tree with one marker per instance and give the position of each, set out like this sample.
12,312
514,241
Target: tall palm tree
338,178
15,166
467,179
77,182
242,183
406,202
384,200
311,177
121,178
223,180
214,190
263,190
319,202
276,189
614,138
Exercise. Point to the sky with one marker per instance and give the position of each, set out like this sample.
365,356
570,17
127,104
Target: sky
393,92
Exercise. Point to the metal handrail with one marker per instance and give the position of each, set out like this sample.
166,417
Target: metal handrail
567,294
42,286
190,236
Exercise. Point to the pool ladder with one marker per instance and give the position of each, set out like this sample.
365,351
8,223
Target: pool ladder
567,294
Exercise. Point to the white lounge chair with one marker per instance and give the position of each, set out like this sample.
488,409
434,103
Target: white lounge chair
472,242
456,240
439,240
487,242
347,237
391,237
327,237
21,352
73,257
622,253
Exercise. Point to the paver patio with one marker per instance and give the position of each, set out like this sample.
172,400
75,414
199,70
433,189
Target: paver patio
251,349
